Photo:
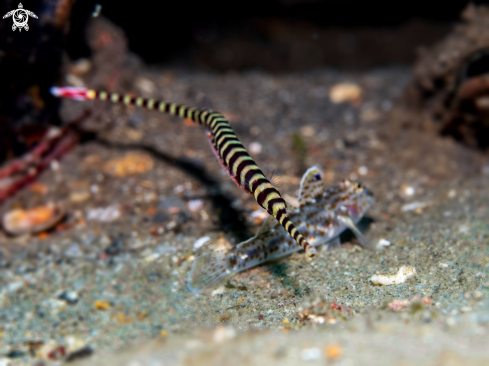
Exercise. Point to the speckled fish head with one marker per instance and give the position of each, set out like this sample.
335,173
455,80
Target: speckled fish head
349,198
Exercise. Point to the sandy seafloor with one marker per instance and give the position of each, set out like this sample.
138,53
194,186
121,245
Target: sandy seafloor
137,264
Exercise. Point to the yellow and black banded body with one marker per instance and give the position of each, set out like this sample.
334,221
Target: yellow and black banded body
229,150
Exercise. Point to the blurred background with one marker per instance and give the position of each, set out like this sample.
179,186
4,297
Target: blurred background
276,34
104,207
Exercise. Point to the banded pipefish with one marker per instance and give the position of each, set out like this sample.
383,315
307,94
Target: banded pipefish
230,152
323,214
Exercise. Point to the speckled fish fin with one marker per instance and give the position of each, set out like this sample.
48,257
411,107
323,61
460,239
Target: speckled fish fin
351,225
267,225
333,243
312,185
207,270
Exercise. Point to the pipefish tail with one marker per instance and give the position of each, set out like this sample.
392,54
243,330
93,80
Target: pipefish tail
230,152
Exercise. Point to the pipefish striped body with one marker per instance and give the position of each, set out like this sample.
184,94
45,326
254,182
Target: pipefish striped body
230,152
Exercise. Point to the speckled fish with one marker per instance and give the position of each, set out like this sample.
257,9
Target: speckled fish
323,214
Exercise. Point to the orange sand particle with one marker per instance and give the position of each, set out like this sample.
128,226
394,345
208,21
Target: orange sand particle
101,305
130,164
333,351
164,333
189,122
121,319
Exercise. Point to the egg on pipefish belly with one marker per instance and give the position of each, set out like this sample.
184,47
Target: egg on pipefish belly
323,214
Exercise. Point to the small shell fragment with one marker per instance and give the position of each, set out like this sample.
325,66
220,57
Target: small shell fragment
34,220
201,241
345,92
402,275
415,206
383,243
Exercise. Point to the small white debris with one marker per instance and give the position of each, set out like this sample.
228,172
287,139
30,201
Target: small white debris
179,189
452,193
465,309
415,206
152,257
218,291
255,148
407,190
311,354
104,214
70,297
201,241
74,344
363,170
259,214
195,205
81,67
463,229
222,334
5,362
74,80
402,275
14,286
345,92
146,86
383,243
442,265
307,131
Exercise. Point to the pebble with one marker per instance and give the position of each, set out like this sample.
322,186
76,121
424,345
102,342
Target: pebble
407,190
307,131
195,205
73,251
255,148
222,334
345,92
146,86
14,286
363,170
104,214
396,305
130,164
71,297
